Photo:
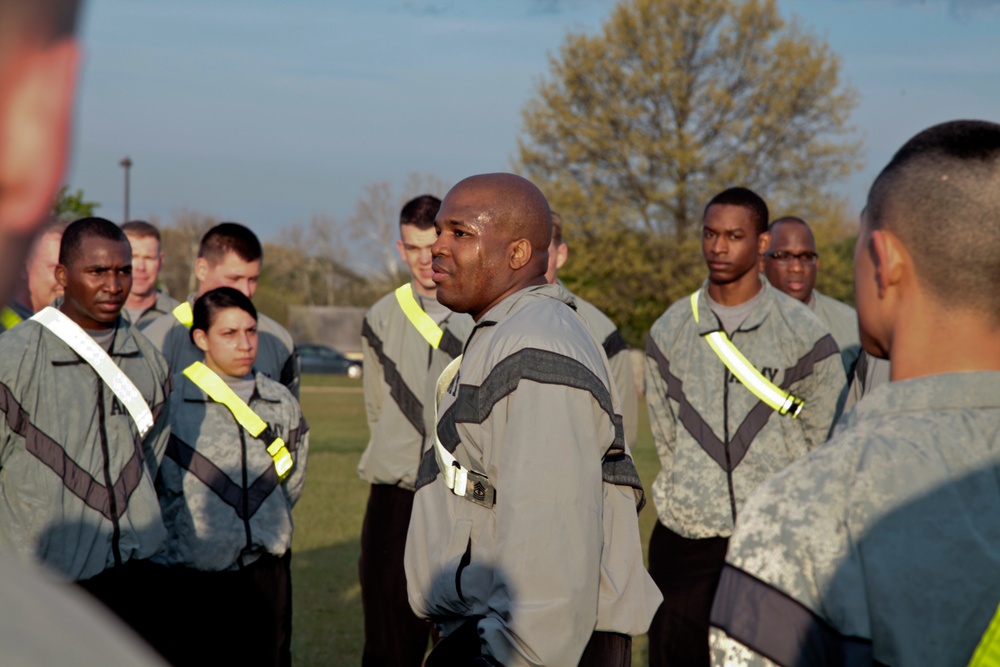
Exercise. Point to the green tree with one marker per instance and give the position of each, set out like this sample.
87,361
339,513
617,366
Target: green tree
638,126
72,205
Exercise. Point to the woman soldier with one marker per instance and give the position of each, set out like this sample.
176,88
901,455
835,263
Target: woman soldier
235,465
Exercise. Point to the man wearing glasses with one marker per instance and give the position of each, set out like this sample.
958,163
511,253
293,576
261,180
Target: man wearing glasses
790,264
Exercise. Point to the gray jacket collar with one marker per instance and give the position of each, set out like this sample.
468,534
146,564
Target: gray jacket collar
123,345
192,392
709,323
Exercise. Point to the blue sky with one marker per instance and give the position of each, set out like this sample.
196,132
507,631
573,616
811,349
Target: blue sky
266,112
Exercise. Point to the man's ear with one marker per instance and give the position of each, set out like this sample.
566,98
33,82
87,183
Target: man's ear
61,275
400,248
890,257
562,254
36,105
200,270
763,243
520,253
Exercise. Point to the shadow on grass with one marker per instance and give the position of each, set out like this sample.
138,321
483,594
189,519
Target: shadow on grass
328,625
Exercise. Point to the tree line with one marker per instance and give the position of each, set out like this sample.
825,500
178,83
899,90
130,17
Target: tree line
630,133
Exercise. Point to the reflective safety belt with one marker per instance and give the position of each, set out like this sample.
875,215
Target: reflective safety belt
988,651
469,484
423,322
9,319
217,389
83,344
184,314
760,386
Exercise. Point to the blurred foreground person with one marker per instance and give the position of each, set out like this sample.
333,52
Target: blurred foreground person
39,55
235,466
46,624
741,380
37,286
604,331
146,302
84,429
524,544
407,338
883,546
790,264
230,255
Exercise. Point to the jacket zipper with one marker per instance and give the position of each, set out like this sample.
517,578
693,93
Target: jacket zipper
112,501
725,428
245,499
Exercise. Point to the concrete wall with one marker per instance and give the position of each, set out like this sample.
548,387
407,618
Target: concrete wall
336,326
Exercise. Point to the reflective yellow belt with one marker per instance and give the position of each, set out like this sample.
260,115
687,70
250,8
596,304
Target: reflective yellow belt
8,318
219,391
747,373
423,322
988,651
184,314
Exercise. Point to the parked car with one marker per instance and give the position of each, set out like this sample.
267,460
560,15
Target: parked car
323,359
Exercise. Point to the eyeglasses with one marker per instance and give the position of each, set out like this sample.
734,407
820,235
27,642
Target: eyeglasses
785,257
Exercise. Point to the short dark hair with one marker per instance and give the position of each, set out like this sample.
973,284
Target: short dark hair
41,20
142,229
420,212
229,237
557,223
209,304
72,238
940,194
787,218
745,198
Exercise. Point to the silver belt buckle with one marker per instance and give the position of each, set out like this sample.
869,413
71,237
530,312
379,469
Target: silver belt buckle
479,490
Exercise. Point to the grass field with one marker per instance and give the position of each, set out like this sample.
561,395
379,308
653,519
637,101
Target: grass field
327,622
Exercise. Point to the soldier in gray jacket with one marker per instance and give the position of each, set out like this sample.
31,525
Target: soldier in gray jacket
604,331
790,264
716,435
883,546
230,255
523,545
227,509
76,483
401,367
146,302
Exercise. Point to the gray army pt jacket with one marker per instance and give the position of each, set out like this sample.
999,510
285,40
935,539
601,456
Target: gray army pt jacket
222,502
163,305
617,351
881,547
401,369
842,321
558,555
76,479
276,355
716,440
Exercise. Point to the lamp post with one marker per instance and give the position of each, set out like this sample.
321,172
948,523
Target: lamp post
126,164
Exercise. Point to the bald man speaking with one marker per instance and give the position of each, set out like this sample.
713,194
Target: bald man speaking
523,544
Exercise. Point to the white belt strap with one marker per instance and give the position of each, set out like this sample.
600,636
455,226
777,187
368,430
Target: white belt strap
80,341
469,484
